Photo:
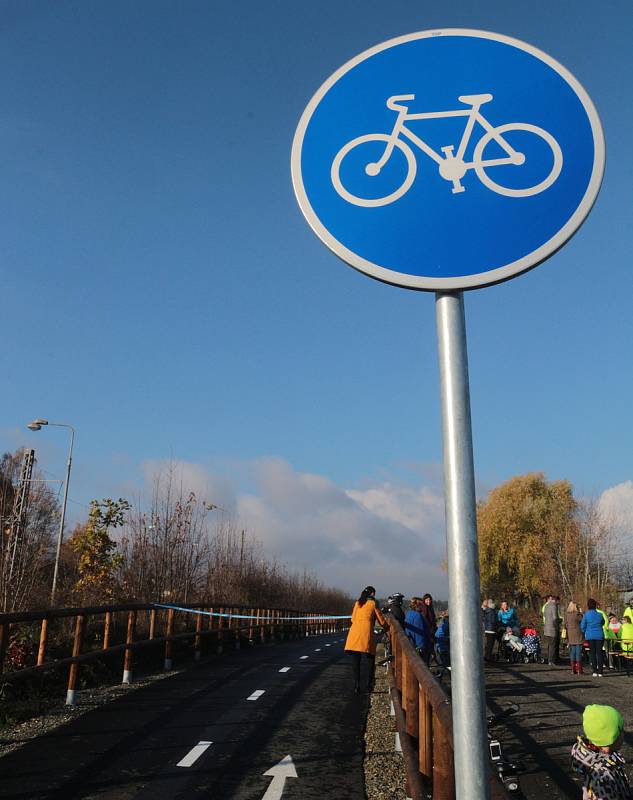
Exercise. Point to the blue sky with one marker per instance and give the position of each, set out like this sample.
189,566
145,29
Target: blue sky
162,293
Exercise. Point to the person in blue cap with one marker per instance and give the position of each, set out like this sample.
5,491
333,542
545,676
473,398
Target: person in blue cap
595,755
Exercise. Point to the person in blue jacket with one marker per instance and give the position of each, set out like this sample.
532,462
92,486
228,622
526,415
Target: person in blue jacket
417,629
591,625
443,641
508,618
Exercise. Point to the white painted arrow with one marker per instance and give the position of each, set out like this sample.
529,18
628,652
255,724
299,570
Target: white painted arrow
284,769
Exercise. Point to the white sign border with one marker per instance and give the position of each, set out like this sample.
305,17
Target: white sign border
427,283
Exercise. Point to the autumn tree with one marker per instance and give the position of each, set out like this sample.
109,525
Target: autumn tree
166,548
95,550
535,537
593,567
180,549
524,524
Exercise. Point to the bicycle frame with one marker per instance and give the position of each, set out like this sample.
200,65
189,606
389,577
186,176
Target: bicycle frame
451,166
473,115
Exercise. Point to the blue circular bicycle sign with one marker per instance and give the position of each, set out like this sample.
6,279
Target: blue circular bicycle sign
447,160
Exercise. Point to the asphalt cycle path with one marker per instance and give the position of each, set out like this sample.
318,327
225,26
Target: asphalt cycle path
272,722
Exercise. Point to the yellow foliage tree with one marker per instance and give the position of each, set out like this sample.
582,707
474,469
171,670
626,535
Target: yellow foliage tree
97,560
523,525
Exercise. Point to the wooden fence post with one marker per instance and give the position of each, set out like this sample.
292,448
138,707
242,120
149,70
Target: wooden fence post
262,629
129,639
398,658
197,642
169,645
238,623
413,689
220,646
425,735
41,651
231,622
443,776
74,667
404,671
152,624
107,624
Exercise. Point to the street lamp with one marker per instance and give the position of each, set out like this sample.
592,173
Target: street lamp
37,425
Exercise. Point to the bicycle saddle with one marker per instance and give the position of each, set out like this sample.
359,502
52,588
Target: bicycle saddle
475,99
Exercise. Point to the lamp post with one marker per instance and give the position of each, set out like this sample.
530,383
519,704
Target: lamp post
36,425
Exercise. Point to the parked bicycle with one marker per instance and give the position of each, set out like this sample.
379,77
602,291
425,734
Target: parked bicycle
506,770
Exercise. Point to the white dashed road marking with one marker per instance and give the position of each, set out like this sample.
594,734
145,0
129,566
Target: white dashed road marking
302,657
256,694
318,650
194,754
284,669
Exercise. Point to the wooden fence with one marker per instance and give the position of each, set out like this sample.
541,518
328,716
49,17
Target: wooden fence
160,627
425,724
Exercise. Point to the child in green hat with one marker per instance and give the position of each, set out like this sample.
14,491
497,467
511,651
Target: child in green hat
595,757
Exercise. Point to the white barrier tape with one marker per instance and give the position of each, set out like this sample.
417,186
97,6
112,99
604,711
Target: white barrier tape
317,618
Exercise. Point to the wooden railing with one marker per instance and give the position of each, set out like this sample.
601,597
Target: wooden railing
424,720
162,626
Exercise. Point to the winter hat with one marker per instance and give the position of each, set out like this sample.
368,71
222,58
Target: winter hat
602,724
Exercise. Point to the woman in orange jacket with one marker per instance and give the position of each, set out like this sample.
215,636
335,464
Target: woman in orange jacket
361,638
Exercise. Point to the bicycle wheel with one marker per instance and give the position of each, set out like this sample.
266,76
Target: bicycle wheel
496,133
391,196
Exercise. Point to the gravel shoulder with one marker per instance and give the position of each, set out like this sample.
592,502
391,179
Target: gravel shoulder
384,768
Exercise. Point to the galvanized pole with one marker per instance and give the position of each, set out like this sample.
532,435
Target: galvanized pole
467,675
60,535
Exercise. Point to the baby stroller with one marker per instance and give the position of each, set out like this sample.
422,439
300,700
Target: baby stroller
511,647
532,643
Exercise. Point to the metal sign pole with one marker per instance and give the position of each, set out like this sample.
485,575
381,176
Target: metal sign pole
467,674
351,174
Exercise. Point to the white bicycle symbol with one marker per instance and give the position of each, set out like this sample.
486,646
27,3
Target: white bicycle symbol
452,167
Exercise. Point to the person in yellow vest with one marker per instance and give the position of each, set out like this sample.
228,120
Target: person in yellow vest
605,630
625,634
611,639
605,620
628,611
560,631
361,638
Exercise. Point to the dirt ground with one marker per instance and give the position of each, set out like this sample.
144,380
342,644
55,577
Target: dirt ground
540,734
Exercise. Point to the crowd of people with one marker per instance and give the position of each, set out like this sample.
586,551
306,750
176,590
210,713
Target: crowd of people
595,754
598,633
582,631
429,633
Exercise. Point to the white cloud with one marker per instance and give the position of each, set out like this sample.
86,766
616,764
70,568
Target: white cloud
418,509
616,506
389,534
192,478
